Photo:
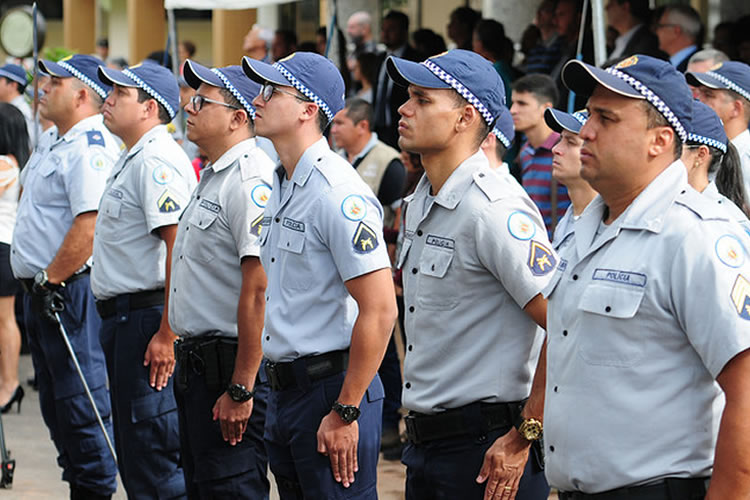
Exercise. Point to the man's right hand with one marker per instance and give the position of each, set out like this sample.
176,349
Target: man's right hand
48,301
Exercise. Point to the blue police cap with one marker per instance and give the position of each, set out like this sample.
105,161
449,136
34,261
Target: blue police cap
504,129
14,72
730,75
706,128
560,120
157,81
638,77
81,66
231,78
466,72
312,74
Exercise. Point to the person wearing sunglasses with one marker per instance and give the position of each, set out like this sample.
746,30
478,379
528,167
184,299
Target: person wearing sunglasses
330,302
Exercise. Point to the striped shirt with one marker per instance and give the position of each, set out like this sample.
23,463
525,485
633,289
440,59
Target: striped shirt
536,174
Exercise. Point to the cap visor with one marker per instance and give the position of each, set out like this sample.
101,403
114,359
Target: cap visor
703,79
559,120
260,72
195,74
583,78
406,73
110,77
12,76
53,69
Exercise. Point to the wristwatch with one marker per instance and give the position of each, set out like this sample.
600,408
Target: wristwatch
348,413
239,393
531,429
41,280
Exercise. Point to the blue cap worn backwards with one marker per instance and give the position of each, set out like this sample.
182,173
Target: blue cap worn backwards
79,66
466,72
157,81
312,74
560,120
706,128
730,75
231,78
504,129
14,72
638,77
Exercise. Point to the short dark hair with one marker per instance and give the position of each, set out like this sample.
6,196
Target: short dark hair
143,96
189,47
655,119
288,36
500,148
20,87
466,16
638,9
542,86
14,136
323,121
401,19
428,42
93,95
484,127
230,99
358,109
492,36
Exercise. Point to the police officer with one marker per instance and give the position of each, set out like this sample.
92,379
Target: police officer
52,241
145,194
218,298
648,308
330,299
475,258
498,141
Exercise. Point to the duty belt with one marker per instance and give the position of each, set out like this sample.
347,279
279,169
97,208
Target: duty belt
212,358
28,283
668,489
475,418
300,372
130,301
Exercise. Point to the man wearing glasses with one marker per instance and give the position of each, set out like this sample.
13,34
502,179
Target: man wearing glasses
217,300
135,230
330,303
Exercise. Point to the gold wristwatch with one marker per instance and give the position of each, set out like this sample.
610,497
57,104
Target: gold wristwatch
531,429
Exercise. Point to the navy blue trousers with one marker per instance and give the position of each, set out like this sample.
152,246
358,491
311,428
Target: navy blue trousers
214,469
291,440
82,450
145,420
446,469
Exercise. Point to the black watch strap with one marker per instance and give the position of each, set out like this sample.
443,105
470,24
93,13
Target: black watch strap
239,393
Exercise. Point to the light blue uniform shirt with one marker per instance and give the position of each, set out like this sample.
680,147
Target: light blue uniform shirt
148,188
64,177
323,229
641,319
219,227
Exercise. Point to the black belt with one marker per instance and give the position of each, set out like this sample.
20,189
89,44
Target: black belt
139,300
668,489
475,418
300,372
210,357
28,283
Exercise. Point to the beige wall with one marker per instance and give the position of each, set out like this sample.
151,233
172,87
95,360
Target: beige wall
199,32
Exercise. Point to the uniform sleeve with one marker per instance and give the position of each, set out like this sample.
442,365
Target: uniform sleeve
87,169
244,208
512,245
165,191
351,226
710,286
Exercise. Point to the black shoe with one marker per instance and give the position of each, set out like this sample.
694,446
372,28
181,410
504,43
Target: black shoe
32,382
80,493
18,395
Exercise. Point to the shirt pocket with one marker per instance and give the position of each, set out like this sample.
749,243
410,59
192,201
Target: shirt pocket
50,188
609,334
435,292
200,246
295,271
110,207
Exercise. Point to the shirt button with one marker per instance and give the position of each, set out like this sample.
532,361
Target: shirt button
268,337
273,259
408,385
277,220
266,298
575,277
555,389
198,197
419,233
411,309
414,270
481,175
411,347
174,289
552,448
607,309
565,333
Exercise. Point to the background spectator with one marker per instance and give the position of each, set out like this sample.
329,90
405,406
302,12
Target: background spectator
256,43
490,42
428,43
185,50
102,49
460,29
364,73
283,44
630,18
679,30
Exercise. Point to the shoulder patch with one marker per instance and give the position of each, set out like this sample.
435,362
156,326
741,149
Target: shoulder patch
541,259
741,296
730,251
167,203
163,175
256,226
95,138
354,207
98,161
521,226
260,195
365,239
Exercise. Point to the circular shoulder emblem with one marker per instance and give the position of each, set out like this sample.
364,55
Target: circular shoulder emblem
98,162
354,207
260,195
163,174
521,226
730,251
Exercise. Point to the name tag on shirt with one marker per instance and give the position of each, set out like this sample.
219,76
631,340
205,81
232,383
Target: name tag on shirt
294,225
624,277
439,241
210,206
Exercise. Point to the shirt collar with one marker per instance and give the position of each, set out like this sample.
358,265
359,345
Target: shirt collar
152,133
742,141
307,161
548,143
622,41
370,144
94,121
458,183
231,154
677,57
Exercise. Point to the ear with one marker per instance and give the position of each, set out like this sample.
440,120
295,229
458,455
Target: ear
661,141
363,126
467,118
151,108
738,109
239,119
309,112
703,153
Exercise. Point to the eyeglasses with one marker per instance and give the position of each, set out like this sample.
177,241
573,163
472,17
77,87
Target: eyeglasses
198,100
268,89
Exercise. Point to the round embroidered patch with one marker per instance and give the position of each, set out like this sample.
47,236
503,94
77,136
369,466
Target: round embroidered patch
354,207
163,175
730,251
260,195
521,226
98,162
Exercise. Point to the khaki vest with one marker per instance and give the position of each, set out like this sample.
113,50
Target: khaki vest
372,169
